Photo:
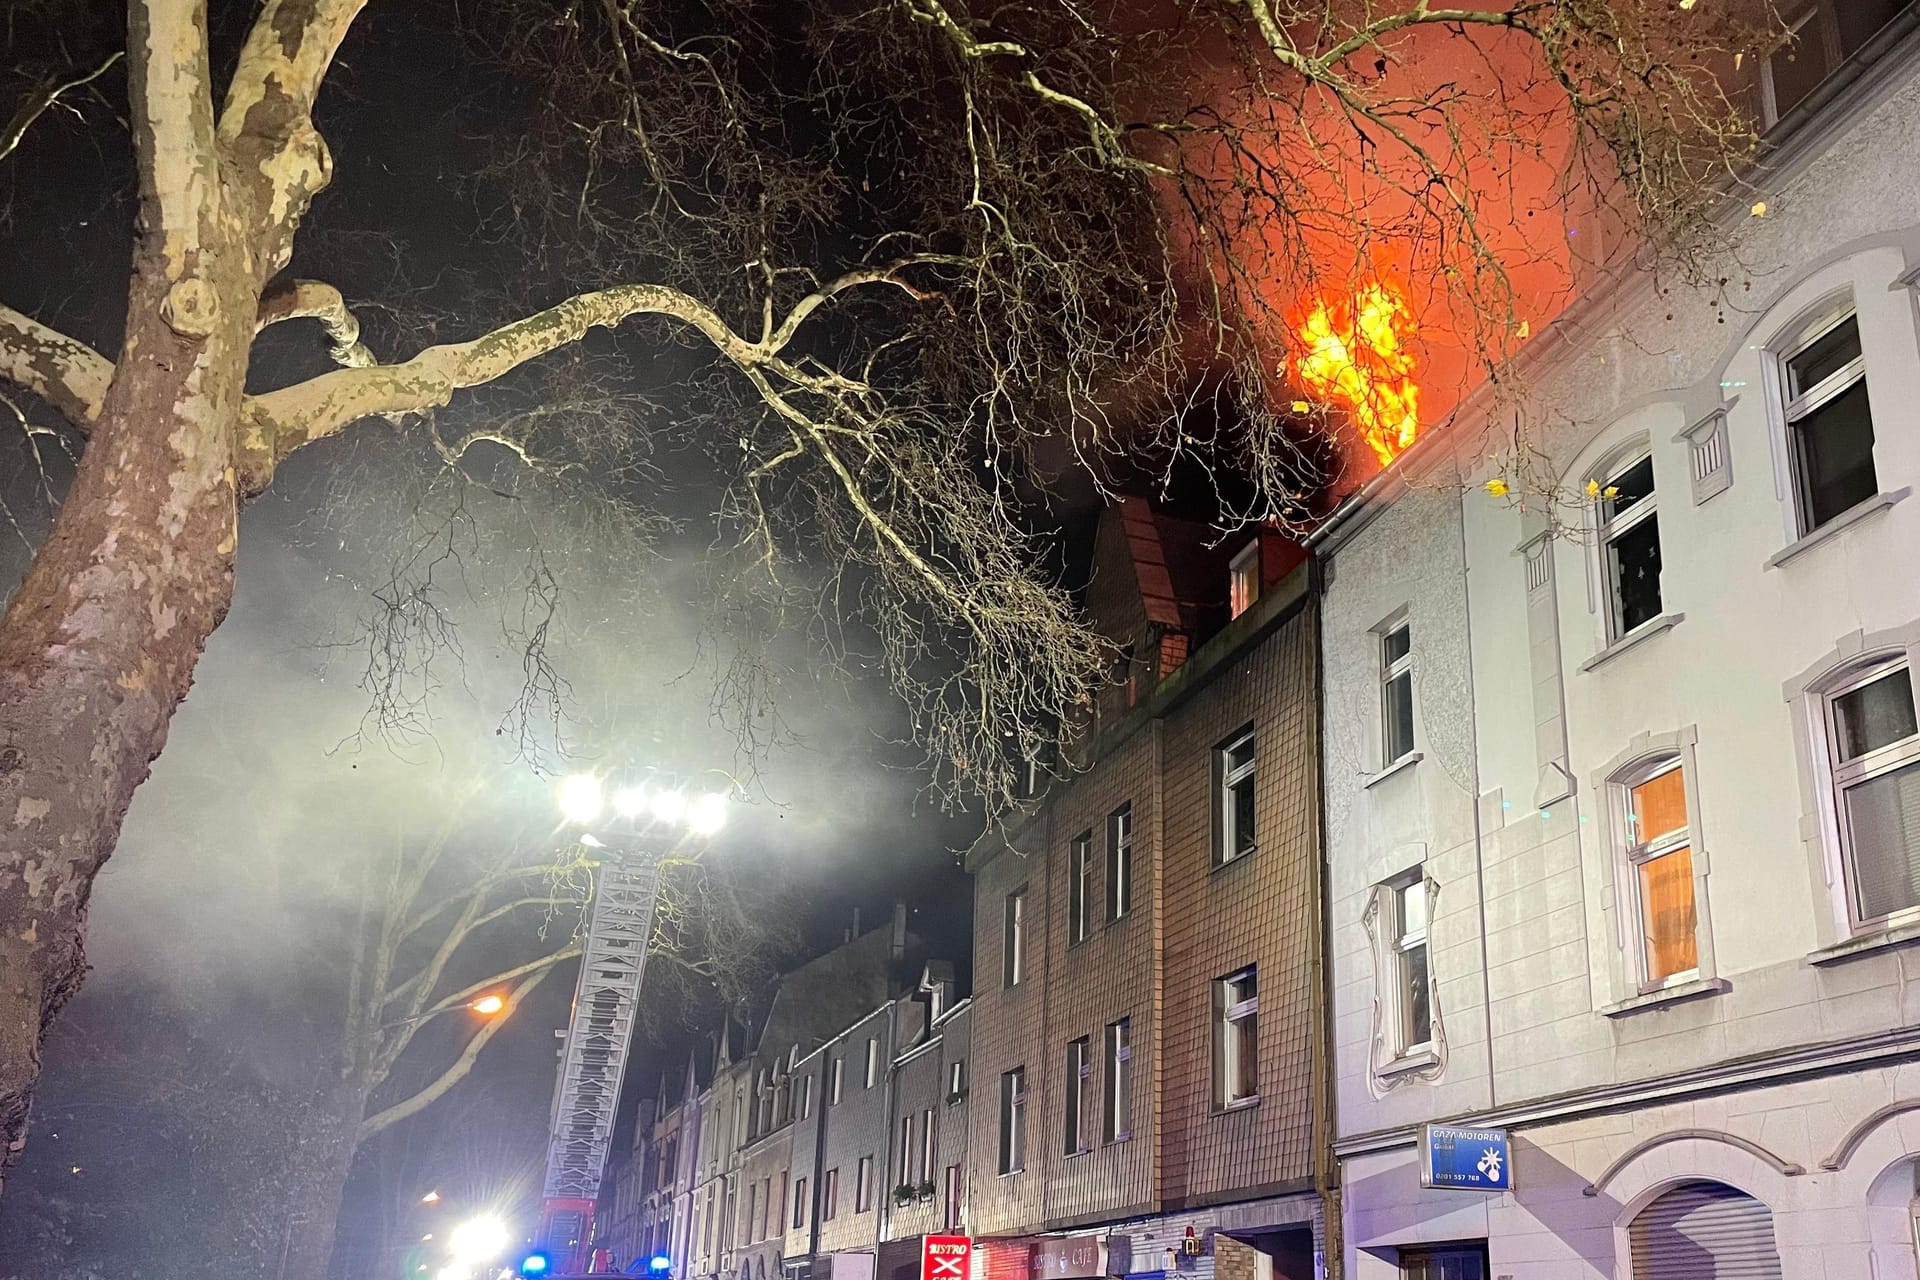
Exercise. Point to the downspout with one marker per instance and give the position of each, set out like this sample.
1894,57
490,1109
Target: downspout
819,1153
1479,842
1326,1169
883,1220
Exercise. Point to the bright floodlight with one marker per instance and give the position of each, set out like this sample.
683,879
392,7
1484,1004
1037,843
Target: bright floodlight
432,1197
479,1240
580,798
630,802
488,1005
707,814
668,806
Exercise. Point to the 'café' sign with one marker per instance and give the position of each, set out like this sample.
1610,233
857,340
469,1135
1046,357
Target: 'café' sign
1067,1257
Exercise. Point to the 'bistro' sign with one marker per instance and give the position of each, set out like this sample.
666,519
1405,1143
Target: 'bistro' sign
945,1257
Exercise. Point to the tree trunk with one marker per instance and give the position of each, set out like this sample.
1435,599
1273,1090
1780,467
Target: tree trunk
99,643
324,1162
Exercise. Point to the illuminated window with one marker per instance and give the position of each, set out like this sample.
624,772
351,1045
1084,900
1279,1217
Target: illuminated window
1236,1038
1233,772
1396,694
1243,578
1660,857
956,1079
1829,423
1873,761
1120,862
1630,545
1079,882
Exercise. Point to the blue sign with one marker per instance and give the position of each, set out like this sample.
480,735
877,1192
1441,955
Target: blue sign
1465,1159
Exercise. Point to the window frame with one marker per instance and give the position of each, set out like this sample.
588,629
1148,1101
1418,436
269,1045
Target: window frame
1243,579
956,1191
929,1124
1116,1106
1120,863
871,1072
1392,671
1230,1023
956,1080
800,1203
1013,1121
1080,888
1401,941
830,1194
1793,409
1075,1139
863,1184
1227,779
1837,776
1013,939
1610,527
836,1079
1635,854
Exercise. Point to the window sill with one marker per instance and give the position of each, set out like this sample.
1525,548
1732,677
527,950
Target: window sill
1236,859
1678,993
1077,1153
1238,1104
1406,761
1010,1173
1845,520
1645,631
1883,939
1413,1060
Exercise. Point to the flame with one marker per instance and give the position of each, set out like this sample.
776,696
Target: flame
1355,355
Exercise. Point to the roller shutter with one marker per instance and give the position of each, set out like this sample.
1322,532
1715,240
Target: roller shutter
1704,1231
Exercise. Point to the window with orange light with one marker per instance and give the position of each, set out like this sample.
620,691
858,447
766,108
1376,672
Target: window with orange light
1660,852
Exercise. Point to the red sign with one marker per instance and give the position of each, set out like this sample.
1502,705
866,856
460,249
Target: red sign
945,1257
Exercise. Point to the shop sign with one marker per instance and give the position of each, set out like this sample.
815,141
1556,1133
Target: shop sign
945,1257
1465,1159
1067,1257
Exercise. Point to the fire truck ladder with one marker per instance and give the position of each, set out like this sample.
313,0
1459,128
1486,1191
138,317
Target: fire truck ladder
594,1058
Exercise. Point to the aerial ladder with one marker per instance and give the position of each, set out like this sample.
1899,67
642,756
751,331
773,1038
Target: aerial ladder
599,1034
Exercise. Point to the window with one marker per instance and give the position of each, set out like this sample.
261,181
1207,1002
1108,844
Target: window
799,1202
1014,944
873,1062
1825,34
926,1146
773,1206
1629,545
1465,1261
1120,862
829,1194
836,1078
1079,881
1413,989
1829,424
1029,777
1874,759
956,1079
1660,855
806,1096
863,1185
954,1193
1079,1077
746,1224
1236,1038
1233,798
1396,694
1243,578
1013,1120
1698,1226
1117,1106
905,1164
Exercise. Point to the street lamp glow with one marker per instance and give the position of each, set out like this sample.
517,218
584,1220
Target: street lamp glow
707,814
630,802
478,1240
580,798
488,1005
432,1197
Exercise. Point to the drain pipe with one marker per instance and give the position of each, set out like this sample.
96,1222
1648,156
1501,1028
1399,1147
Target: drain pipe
1326,1169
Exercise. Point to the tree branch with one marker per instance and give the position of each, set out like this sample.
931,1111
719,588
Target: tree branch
462,1065
171,90
40,100
65,372
317,300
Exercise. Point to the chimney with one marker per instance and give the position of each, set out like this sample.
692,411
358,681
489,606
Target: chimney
856,922
899,945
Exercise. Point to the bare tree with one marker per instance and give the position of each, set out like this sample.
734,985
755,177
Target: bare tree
956,256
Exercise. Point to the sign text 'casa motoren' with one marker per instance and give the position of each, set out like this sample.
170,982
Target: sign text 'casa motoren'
945,1257
1465,1159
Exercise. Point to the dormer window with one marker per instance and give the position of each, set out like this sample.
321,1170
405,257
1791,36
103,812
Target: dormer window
1243,578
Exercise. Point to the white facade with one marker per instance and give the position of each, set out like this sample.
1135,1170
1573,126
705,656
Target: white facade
1773,1047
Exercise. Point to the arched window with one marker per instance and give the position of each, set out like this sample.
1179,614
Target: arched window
1704,1231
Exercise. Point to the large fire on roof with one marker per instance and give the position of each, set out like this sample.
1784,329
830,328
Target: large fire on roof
1354,354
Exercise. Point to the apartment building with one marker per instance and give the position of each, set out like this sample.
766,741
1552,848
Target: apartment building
1623,808
1146,1018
